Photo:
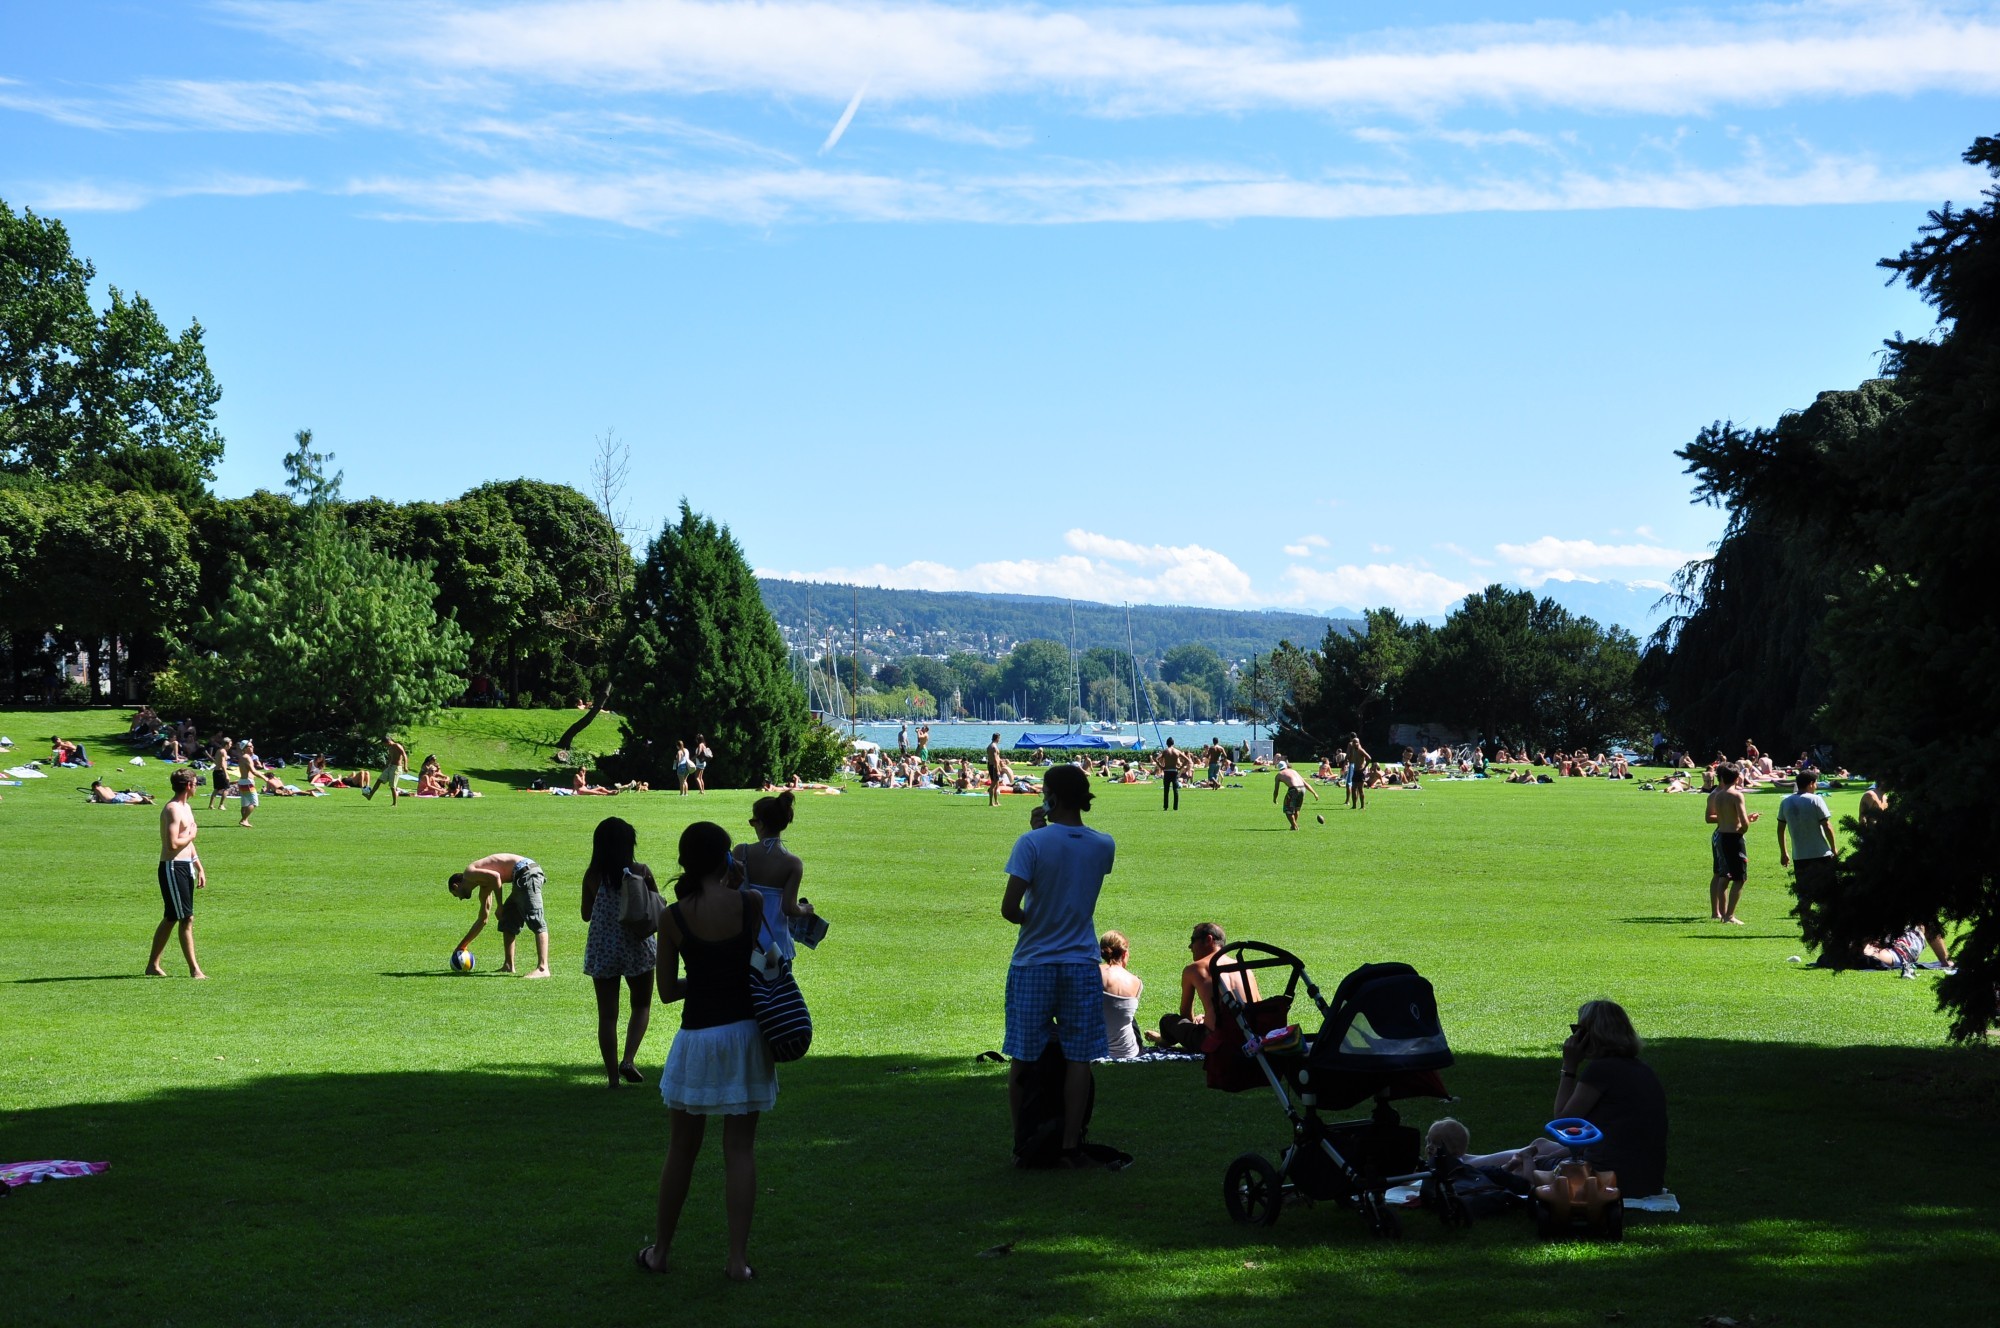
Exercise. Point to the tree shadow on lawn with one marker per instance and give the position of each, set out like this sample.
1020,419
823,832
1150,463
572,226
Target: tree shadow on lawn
521,1193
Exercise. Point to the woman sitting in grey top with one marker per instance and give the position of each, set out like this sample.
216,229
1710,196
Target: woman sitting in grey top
1122,989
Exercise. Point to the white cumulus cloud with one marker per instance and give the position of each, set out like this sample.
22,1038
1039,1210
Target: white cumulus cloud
1552,559
1400,586
1100,567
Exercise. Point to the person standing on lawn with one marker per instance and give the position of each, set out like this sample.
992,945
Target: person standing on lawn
1731,816
1054,876
1170,776
993,772
611,952
181,874
247,768
395,760
702,756
719,1064
522,908
1813,849
1356,761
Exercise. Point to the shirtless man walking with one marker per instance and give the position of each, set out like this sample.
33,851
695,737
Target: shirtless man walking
1731,816
181,875
220,758
523,906
395,760
1295,787
993,772
1183,1031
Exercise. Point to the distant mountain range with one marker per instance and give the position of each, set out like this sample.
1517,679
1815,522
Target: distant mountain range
929,622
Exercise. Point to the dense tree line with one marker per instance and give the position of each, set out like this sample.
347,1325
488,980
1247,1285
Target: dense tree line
1851,602
1504,666
316,620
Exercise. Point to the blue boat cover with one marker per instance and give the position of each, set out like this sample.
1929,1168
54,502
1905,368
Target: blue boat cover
1030,741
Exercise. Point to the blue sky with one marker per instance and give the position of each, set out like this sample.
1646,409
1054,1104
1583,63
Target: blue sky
1317,306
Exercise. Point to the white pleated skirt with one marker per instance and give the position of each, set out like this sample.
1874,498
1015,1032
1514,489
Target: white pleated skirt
721,1071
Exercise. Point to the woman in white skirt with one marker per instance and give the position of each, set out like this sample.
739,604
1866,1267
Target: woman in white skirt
719,1064
613,952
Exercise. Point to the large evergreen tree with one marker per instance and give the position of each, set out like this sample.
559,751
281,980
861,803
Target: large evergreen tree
1898,512
706,657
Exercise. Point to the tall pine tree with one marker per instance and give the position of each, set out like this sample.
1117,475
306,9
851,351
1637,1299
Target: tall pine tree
705,657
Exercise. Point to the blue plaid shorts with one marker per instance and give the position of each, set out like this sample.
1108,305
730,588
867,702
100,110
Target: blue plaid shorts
1067,999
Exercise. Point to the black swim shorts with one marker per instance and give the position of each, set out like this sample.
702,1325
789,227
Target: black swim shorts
177,889
1732,857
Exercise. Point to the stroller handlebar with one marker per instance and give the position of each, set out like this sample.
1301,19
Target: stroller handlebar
1250,956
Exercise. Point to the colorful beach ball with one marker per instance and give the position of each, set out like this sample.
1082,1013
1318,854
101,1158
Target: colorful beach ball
461,961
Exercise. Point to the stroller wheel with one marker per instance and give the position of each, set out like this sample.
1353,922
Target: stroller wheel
1252,1191
1545,1221
1614,1220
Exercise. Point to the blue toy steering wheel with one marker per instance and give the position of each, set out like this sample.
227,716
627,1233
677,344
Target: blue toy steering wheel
1573,1132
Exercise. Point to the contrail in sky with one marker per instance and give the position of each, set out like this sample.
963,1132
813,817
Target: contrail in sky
846,119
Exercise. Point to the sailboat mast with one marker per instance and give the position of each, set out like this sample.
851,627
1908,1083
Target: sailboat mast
854,718
1132,654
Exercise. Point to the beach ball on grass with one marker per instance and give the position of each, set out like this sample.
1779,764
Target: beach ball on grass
461,961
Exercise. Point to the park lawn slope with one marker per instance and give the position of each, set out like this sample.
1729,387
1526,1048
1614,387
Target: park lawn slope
336,1130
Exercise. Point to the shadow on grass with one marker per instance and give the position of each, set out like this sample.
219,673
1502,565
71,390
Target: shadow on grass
84,977
1687,921
446,973
519,1193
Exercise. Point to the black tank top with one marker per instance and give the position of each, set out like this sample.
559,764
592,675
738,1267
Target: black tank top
718,972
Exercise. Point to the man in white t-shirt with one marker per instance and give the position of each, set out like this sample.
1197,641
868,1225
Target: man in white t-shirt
1812,851
1054,875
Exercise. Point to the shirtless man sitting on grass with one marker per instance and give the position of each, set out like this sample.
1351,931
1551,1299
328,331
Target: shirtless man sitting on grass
1182,1031
523,906
1731,816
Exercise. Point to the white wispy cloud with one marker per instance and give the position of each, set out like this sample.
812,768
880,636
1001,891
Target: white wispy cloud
1552,559
1157,58
115,196
1193,193
1399,586
957,131
1099,567
1305,545
161,104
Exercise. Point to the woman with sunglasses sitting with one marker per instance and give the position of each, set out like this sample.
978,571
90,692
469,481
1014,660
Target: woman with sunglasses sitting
1604,1082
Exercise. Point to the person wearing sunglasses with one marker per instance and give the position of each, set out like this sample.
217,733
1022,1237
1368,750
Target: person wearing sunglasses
1603,1081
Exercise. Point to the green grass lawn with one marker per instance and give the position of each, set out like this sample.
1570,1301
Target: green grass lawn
334,1129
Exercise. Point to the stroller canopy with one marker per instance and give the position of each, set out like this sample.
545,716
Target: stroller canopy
1383,1024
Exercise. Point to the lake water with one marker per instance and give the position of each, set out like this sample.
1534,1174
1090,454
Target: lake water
977,735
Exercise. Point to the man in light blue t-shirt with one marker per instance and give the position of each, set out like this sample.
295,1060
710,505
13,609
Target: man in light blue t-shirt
1054,875
1812,851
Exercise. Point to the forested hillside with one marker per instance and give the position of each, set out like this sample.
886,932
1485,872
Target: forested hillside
903,622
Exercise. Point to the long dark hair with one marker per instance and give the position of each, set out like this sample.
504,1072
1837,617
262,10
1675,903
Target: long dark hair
704,851
612,847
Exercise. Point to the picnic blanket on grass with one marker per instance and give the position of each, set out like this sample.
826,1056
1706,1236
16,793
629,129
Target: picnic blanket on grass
16,1174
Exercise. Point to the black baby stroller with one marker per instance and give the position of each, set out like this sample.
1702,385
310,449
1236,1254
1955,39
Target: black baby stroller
1380,1039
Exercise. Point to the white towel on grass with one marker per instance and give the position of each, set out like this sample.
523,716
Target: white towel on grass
137,760
25,772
